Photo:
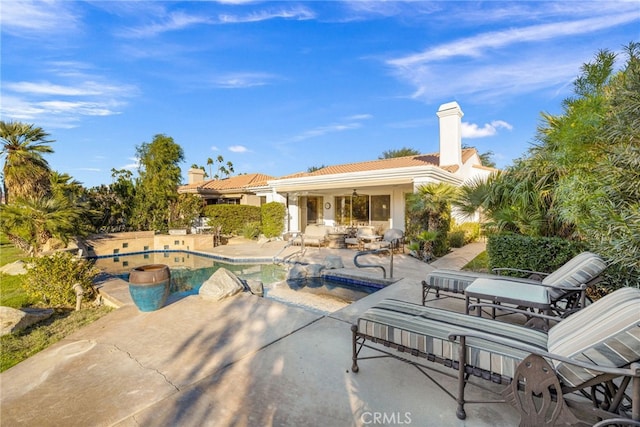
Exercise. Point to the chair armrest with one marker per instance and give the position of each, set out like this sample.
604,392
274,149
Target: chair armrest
514,310
633,370
518,270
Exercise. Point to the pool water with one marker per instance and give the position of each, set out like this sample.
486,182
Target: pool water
189,271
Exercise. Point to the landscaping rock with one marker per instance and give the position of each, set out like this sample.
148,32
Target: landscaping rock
333,262
256,287
314,270
222,284
14,268
13,320
297,272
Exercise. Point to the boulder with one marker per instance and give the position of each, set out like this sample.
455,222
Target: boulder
13,320
14,268
333,262
297,272
222,284
255,287
314,270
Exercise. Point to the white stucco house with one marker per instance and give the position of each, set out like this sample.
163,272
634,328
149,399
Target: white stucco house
363,193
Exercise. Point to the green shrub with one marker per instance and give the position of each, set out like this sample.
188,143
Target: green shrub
51,278
544,254
456,239
471,231
273,215
232,218
251,230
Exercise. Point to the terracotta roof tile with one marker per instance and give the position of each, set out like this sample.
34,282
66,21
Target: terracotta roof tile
238,182
380,164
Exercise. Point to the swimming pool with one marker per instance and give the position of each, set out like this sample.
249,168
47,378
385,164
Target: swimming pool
190,270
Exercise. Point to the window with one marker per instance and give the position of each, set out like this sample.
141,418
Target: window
352,210
380,208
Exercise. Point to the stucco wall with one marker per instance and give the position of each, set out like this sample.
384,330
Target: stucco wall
123,243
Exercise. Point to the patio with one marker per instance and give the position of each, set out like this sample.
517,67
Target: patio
245,361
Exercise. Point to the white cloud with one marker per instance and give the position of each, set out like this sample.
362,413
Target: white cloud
347,123
477,45
64,97
501,64
242,80
214,148
173,21
298,13
472,130
36,18
238,149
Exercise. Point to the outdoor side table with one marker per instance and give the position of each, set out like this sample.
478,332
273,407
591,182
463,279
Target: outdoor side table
499,291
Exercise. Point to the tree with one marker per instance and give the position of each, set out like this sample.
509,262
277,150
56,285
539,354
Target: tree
315,168
157,185
429,209
401,152
25,171
31,221
185,210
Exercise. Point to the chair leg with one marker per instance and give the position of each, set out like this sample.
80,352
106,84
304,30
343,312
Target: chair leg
462,351
354,357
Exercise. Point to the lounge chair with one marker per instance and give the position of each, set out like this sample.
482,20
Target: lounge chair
566,287
314,235
588,361
393,238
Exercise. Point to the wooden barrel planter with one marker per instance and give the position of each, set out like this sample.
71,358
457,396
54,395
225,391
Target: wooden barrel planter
149,286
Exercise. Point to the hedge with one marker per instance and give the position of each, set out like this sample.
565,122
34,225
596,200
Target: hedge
543,254
232,218
273,215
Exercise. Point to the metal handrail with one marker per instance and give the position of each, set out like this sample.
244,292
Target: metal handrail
375,251
295,236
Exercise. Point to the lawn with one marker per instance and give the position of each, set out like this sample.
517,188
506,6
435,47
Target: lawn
24,344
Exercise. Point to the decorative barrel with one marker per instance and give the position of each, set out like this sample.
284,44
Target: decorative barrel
149,286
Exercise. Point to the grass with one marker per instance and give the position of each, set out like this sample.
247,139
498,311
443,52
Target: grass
21,345
479,263
24,344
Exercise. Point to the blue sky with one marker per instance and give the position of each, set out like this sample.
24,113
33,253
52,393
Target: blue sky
277,87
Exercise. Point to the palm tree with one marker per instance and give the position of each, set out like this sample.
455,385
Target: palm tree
31,221
26,172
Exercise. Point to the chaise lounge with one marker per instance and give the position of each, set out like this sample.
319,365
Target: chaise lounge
591,357
564,290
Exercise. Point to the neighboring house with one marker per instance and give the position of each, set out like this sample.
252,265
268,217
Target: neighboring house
235,190
372,192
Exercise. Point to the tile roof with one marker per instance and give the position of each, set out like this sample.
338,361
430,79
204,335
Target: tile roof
238,182
380,164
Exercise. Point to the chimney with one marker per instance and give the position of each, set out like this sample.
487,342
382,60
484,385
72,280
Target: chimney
195,175
450,116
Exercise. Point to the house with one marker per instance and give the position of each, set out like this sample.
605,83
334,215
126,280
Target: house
363,193
235,190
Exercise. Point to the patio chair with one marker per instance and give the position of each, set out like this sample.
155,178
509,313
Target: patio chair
393,239
584,369
565,288
314,235
363,235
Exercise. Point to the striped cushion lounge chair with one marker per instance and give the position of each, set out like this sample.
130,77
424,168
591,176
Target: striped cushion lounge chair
566,286
593,355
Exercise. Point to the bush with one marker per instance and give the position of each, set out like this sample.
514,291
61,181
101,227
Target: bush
51,278
456,239
544,254
232,218
251,230
471,231
273,215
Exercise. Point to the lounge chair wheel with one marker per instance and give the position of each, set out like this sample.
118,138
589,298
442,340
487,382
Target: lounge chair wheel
460,413
355,369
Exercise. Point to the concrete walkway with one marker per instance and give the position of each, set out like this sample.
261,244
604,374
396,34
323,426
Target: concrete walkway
245,361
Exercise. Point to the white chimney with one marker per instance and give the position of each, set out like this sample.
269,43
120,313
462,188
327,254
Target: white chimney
450,116
195,175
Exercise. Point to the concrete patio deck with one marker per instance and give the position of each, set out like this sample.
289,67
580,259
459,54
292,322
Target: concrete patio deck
245,361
